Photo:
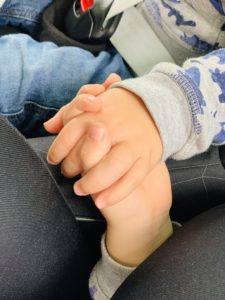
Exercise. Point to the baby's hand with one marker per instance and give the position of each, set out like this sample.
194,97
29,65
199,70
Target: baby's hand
140,223
85,101
136,147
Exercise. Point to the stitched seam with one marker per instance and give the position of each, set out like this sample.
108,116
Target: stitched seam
17,13
207,196
28,103
193,166
186,84
183,181
213,177
192,179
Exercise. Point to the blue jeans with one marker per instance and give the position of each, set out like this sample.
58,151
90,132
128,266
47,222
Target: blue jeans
36,79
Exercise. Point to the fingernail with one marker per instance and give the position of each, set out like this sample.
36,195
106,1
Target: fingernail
91,98
51,162
78,191
46,123
96,133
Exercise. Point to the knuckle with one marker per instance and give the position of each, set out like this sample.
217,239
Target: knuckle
65,142
70,166
82,89
67,169
86,159
85,89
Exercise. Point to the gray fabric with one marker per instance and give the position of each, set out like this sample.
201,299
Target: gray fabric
42,254
190,265
82,207
107,275
197,184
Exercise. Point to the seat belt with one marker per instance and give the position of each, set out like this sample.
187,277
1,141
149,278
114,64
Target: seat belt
134,38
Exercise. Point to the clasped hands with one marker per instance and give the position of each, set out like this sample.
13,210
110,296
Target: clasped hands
106,134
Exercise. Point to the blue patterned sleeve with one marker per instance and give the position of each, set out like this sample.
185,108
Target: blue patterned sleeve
207,78
187,103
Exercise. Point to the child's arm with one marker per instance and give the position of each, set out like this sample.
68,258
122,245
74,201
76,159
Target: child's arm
186,106
85,101
136,226
132,155
186,103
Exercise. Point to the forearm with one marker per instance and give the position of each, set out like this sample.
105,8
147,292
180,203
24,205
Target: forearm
121,253
131,246
136,227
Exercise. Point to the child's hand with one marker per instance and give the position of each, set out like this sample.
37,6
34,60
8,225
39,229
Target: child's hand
140,223
136,147
85,101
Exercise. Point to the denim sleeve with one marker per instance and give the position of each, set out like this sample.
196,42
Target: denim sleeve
48,75
187,104
25,14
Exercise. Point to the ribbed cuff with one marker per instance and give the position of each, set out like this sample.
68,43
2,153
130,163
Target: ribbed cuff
168,105
107,276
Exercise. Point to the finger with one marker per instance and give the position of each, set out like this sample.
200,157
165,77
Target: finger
71,165
123,187
112,78
68,137
80,104
92,89
115,164
88,103
55,124
95,145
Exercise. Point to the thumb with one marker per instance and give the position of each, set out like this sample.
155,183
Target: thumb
112,78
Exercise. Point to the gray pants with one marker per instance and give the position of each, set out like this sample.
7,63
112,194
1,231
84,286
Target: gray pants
45,248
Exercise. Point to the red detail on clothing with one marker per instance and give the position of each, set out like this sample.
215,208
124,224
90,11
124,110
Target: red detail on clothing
86,5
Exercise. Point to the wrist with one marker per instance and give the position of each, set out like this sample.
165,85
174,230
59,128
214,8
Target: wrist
153,130
131,247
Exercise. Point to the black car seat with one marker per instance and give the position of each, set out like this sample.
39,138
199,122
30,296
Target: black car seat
191,264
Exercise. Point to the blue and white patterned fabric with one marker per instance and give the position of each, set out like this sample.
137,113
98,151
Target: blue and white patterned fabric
196,29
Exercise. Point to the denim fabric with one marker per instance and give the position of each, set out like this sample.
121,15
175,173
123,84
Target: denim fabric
36,79
25,14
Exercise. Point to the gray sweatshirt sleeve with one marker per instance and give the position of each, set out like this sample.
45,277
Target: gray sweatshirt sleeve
187,104
107,276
